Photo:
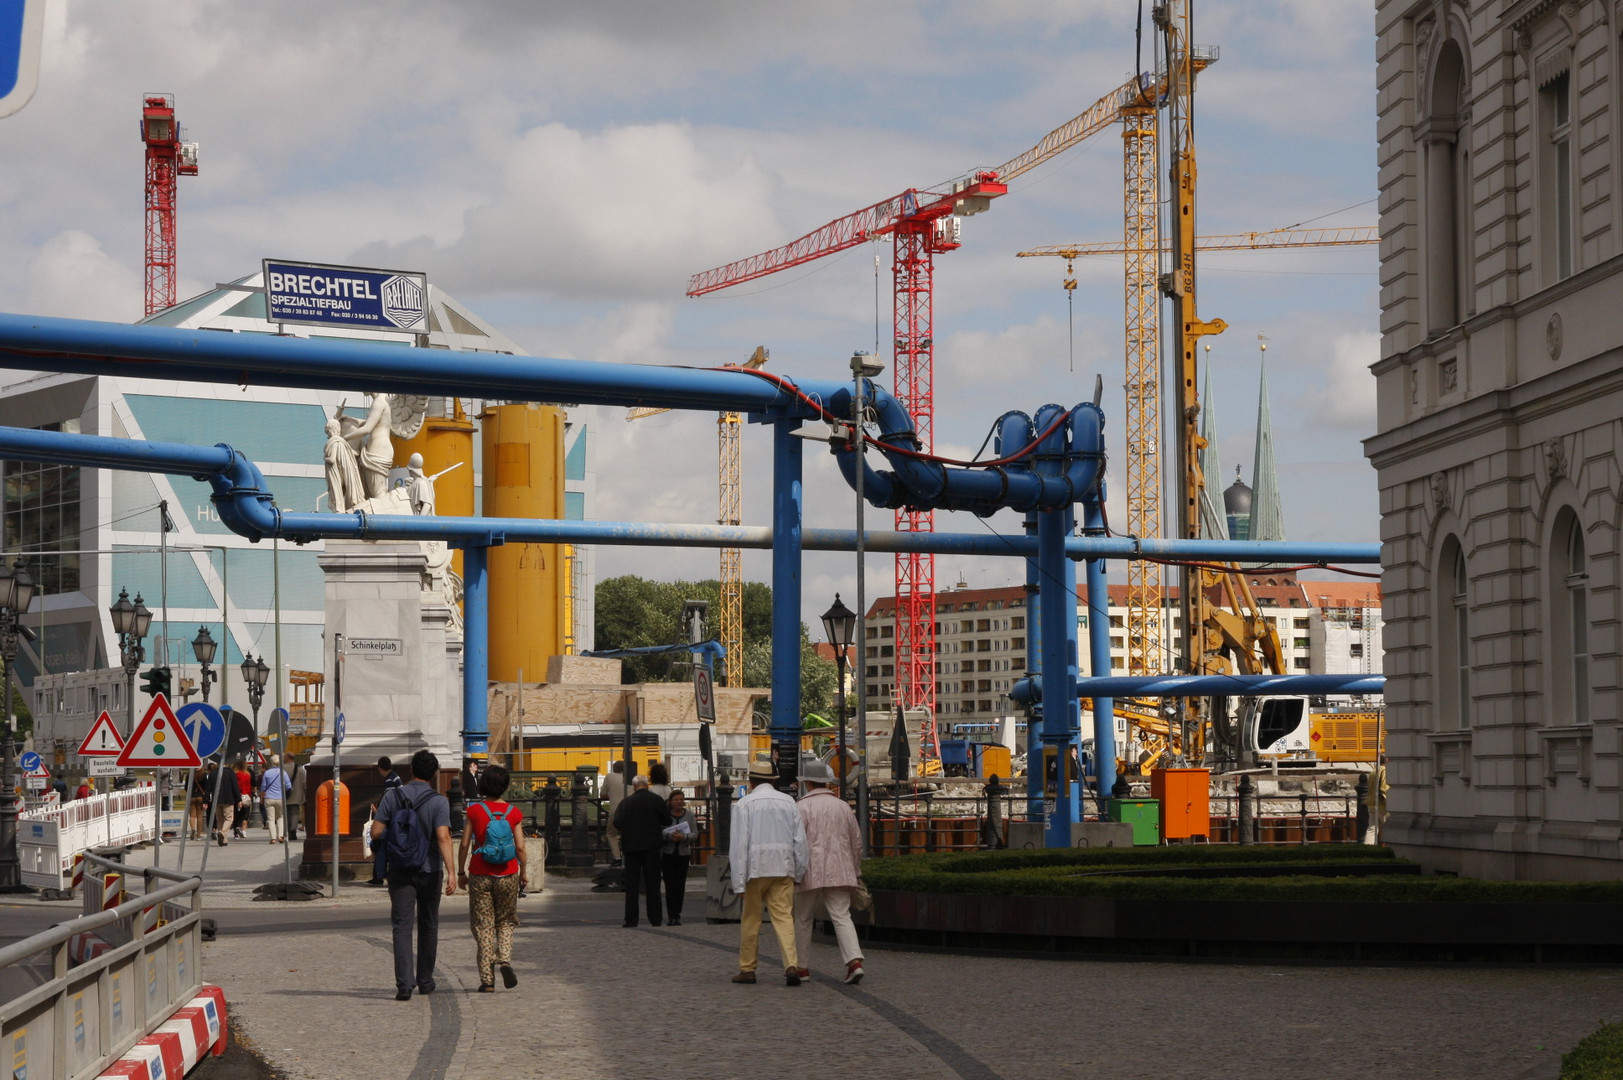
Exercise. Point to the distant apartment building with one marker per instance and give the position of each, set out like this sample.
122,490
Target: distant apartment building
981,635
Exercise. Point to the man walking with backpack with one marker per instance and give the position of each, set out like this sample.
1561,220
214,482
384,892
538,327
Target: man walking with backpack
493,874
414,823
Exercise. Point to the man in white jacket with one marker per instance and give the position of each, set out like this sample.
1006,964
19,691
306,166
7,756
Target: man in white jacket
768,854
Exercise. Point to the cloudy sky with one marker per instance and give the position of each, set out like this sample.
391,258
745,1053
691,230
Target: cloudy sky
563,167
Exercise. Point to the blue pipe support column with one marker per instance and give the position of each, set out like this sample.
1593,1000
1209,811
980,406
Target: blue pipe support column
1061,709
1034,663
475,652
787,522
1104,707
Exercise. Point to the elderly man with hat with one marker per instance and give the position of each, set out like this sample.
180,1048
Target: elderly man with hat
768,856
834,865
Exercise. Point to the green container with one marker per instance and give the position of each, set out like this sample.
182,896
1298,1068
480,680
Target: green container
1144,815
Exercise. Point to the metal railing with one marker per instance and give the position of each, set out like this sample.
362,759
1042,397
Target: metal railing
108,979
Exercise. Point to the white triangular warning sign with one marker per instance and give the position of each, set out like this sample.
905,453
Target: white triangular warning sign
103,740
159,741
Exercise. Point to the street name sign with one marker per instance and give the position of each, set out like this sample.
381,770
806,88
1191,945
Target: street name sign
22,25
317,294
103,739
374,646
159,741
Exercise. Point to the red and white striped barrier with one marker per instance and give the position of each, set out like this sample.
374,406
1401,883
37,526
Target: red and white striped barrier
198,1027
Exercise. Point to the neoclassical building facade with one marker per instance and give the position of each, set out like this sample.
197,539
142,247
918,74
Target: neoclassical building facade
1500,422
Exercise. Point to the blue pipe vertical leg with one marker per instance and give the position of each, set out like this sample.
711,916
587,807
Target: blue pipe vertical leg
1034,665
475,652
1104,709
787,523
1061,709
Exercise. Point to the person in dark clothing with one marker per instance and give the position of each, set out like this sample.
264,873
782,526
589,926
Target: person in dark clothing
642,819
225,802
680,837
414,891
380,857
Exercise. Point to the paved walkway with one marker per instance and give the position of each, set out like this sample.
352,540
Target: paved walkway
310,989
597,1000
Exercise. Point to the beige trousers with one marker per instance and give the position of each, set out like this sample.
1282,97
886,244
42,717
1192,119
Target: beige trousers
778,895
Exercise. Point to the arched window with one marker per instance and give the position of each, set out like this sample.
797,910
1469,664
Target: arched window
1569,622
1454,640
1445,150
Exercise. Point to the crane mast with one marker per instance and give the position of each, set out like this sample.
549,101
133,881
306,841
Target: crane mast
167,158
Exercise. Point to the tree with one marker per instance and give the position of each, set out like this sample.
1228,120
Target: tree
633,612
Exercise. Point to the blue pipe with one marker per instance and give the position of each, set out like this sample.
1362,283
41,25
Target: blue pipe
99,348
259,518
1034,663
1025,690
1104,708
787,497
1061,711
476,651
929,485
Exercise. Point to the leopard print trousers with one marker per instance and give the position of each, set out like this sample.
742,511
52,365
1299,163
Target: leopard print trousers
493,911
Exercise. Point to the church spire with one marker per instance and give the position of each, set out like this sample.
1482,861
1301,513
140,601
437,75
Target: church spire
1213,526
1267,515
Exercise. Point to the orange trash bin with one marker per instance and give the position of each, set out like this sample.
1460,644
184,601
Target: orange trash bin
322,826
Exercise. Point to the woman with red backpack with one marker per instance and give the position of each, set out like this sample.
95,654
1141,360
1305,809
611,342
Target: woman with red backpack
493,869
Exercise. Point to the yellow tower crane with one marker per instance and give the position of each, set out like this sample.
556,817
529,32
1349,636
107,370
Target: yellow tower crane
730,630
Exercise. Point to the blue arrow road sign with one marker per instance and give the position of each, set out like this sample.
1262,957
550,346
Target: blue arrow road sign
338,729
22,24
29,761
203,725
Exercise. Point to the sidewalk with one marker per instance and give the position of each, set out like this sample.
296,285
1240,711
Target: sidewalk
595,1000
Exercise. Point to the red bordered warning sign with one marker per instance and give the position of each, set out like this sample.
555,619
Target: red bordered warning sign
103,740
158,741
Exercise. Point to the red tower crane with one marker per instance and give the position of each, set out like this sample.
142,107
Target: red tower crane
921,224
167,159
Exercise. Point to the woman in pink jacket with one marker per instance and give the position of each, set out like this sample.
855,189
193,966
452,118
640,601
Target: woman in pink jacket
833,867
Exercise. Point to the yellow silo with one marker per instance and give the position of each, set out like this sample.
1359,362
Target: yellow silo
443,442
522,455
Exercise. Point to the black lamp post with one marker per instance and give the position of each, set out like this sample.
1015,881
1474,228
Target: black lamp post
255,673
16,596
131,623
839,625
203,647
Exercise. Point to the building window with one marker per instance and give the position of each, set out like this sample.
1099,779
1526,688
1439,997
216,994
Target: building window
1017,622
1569,621
1556,106
1445,164
1454,617
42,516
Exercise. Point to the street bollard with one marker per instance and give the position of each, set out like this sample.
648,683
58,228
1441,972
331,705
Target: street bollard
1361,820
1243,825
580,852
723,830
552,793
1303,797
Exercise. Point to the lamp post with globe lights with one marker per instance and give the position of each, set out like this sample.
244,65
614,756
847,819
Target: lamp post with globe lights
131,623
203,648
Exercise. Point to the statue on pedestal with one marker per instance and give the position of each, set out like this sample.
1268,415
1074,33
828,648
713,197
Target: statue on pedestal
344,488
373,447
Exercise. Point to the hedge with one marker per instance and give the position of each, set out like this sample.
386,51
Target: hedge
1596,1057
1087,872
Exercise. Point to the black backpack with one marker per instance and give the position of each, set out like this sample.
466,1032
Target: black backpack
404,838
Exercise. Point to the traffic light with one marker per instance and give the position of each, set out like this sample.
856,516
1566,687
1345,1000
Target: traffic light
156,682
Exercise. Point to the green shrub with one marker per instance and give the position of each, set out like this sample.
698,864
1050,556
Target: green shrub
1086,873
1597,1057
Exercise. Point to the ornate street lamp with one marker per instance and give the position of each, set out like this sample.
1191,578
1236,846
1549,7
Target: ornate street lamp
203,647
16,597
839,625
131,623
255,673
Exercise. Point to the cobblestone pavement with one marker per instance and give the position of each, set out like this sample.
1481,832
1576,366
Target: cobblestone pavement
597,1000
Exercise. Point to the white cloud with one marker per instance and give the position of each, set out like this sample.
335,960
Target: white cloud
72,277
1347,397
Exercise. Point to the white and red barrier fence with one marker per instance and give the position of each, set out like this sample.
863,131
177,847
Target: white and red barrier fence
50,839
